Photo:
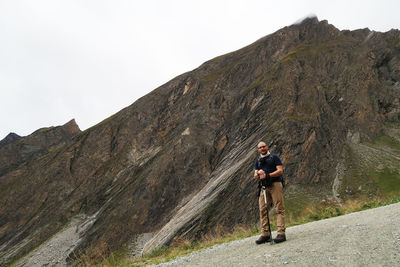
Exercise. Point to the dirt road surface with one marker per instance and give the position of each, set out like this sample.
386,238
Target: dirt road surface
366,238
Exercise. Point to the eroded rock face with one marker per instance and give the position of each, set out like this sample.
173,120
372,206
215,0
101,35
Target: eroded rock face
179,159
15,150
10,138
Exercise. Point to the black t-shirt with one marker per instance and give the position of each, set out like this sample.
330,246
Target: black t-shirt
267,164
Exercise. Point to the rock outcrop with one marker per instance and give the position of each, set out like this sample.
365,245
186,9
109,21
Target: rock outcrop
10,138
16,150
177,162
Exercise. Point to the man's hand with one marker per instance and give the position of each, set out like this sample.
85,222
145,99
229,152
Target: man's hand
262,174
256,174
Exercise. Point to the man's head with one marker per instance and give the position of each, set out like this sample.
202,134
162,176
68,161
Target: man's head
262,148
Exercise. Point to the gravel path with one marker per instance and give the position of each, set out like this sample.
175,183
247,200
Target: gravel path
366,238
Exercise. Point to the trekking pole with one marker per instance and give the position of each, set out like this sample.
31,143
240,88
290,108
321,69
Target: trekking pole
266,207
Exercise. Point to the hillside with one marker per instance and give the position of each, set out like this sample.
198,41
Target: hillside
176,163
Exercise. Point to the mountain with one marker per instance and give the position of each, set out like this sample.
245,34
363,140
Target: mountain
178,161
10,138
15,150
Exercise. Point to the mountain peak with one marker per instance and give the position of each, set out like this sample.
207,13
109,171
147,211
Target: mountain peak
14,149
310,19
71,127
10,138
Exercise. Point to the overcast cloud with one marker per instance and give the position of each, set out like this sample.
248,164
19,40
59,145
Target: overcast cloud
89,59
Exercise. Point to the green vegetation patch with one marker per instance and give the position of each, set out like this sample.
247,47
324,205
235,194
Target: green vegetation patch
296,206
257,83
388,181
299,51
387,141
315,49
325,213
298,117
216,74
269,79
386,172
373,169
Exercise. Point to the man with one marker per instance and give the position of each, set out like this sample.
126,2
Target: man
268,169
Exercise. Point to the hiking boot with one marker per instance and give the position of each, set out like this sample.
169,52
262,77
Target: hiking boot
280,238
263,239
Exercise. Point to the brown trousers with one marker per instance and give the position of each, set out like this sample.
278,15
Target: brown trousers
274,193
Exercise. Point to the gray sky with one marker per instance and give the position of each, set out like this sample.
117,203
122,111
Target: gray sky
89,59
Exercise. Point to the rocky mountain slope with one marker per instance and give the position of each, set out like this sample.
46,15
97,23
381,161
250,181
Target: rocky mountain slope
177,162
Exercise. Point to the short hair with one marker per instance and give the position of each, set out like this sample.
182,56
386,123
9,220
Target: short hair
262,142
